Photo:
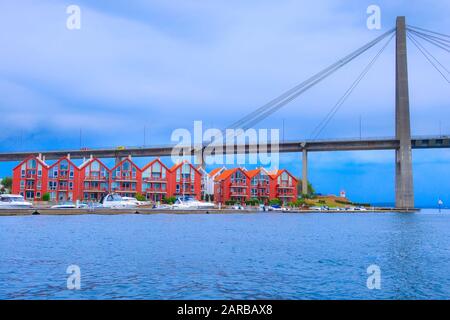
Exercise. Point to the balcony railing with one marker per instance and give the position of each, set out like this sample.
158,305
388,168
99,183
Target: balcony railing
95,190
285,186
95,178
153,190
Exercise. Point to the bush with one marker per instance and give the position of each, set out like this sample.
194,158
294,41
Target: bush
46,197
169,200
296,203
140,197
252,202
275,201
230,202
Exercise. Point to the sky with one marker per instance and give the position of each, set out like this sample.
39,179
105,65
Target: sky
137,70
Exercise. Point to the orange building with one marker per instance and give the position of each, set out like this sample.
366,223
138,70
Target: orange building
260,183
283,186
30,178
63,180
93,180
155,181
232,184
126,178
185,180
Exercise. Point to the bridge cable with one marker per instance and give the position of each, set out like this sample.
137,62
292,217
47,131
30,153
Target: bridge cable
437,43
427,55
274,105
417,42
429,31
322,125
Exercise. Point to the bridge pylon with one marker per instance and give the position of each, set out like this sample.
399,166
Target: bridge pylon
404,194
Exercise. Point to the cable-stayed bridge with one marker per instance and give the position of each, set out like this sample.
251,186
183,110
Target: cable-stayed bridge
402,143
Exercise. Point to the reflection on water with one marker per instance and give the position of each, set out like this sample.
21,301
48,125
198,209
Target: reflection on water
242,256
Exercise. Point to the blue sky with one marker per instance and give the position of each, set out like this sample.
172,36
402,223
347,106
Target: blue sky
164,64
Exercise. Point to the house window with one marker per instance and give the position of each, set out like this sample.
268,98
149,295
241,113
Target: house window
22,173
38,195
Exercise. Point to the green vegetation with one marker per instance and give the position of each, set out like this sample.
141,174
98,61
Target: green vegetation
46,197
140,197
6,184
274,202
296,203
169,200
252,202
311,190
230,202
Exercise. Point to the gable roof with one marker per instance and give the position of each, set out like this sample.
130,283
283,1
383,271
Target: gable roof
252,173
148,165
64,158
31,157
276,173
90,160
227,173
126,160
213,172
177,165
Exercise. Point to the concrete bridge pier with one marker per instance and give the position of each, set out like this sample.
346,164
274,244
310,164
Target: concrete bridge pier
304,171
404,194
199,158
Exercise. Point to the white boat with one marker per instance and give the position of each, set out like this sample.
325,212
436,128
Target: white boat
135,201
115,201
14,201
64,205
189,203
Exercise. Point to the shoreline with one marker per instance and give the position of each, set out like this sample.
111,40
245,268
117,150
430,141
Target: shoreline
48,211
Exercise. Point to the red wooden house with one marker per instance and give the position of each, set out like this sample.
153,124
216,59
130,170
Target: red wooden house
232,184
283,186
126,178
155,180
93,180
30,178
63,181
259,184
185,180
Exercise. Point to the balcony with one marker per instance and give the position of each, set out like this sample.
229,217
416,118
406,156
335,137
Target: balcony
95,190
154,179
285,186
95,178
238,184
238,194
153,190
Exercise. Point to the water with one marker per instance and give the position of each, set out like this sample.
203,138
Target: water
239,256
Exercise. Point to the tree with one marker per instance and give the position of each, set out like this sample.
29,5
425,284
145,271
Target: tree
275,201
140,197
46,197
169,200
7,183
311,190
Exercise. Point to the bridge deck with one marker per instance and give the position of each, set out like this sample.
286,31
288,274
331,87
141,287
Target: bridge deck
425,142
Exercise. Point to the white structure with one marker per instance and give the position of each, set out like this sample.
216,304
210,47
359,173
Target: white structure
207,188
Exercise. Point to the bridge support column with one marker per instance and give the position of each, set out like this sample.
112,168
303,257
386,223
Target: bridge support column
304,171
199,158
404,195
117,160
